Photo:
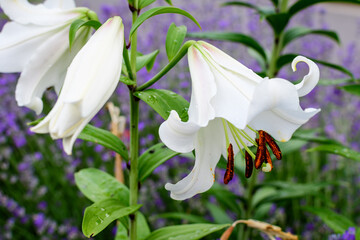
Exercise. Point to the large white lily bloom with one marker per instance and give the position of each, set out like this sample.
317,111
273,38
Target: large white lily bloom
36,43
90,80
228,102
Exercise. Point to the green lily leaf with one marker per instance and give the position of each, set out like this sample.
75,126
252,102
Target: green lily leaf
145,3
232,37
160,10
183,216
127,80
337,150
297,32
218,214
261,11
142,227
169,2
334,82
99,215
278,22
104,138
152,158
353,89
287,58
300,5
174,39
77,24
147,60
337,222
186,231
121,232
163,101
97,185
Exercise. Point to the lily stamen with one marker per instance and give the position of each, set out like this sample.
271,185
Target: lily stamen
248,165
273,146
229,174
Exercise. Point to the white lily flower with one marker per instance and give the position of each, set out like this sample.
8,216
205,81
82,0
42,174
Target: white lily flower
229,103
36,43
90,81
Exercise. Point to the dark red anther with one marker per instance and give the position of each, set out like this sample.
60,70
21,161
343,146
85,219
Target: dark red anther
268,159
248,165
273,146
229,174
261,151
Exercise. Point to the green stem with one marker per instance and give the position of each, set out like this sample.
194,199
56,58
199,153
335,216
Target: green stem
127,62
278,41
134,152
249,207
179,55
134,131
284,5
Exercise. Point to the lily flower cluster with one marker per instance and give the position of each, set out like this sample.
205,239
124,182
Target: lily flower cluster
231,109
36,43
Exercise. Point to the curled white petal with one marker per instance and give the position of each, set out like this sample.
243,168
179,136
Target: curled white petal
83,95
208,147
277,109
310,80
177,135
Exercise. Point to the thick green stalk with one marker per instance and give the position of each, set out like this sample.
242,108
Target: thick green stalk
249,199
284,5
179,55
134,131
134,152
272,71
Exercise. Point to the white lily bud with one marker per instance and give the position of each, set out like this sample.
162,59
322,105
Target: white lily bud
90,81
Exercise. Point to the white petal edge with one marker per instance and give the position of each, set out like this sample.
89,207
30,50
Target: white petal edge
177,135
62,4
208,151
23,12
18,42
310,80
46,68
203,88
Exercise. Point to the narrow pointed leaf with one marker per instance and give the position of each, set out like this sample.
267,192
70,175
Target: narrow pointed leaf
104,138
186,231
337,222
297,32
335,82
147,60
169,2
261,11
163,101
353,89
145,3
77,24
218,214
337,150
160,10
302,4
174,39
278,22
152,158
99,215
183,216
142,227
121,232
287,58
97,185
232,37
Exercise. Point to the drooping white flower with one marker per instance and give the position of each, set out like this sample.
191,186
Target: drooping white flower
90,80
229,103
36,43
